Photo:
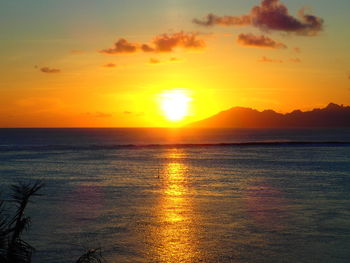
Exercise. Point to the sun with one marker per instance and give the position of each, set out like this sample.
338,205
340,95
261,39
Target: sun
174,104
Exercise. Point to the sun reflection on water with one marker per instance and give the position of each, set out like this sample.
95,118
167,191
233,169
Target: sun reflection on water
177,228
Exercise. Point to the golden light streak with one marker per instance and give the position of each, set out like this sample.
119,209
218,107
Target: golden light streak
176,236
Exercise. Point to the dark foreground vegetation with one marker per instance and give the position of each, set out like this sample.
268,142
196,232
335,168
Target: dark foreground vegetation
14,222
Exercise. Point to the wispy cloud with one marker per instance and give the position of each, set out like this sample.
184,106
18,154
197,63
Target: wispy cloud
270,60
154,61
297,50
212,20
260,41
109,65
77,51
50,70
174,59
295,60
269,15
160,43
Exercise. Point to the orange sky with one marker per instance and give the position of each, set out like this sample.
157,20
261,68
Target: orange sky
109,64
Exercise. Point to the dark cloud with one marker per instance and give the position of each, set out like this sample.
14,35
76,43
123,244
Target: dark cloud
161,43
260,41
110,65
167,42
212,20
297,50
270,15
49,70
146,48
122,46
273,15
270,60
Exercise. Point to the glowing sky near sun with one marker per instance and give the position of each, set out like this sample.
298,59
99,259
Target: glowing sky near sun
86,63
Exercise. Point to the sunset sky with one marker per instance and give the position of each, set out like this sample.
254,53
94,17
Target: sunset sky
129,63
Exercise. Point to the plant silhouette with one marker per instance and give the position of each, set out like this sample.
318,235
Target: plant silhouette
13,249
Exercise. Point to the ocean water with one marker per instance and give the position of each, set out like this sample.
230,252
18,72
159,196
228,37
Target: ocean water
181,195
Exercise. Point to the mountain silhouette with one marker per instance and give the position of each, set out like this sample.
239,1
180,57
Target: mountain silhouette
239,117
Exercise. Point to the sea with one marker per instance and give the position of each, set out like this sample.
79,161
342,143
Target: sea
183,195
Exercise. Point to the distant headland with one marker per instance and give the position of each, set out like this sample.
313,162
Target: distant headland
332,116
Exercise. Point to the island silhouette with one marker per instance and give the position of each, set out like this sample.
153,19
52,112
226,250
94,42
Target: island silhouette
332,116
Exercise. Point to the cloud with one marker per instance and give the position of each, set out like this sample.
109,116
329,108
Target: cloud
160,43
174,59
212,20
146,48
297,50
50,70
270,60
295,60
154,61
261,41
273,15
122,46
102,115
269,15
77,51
167,43
110,65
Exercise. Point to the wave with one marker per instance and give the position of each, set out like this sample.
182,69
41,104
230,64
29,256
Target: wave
62,147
